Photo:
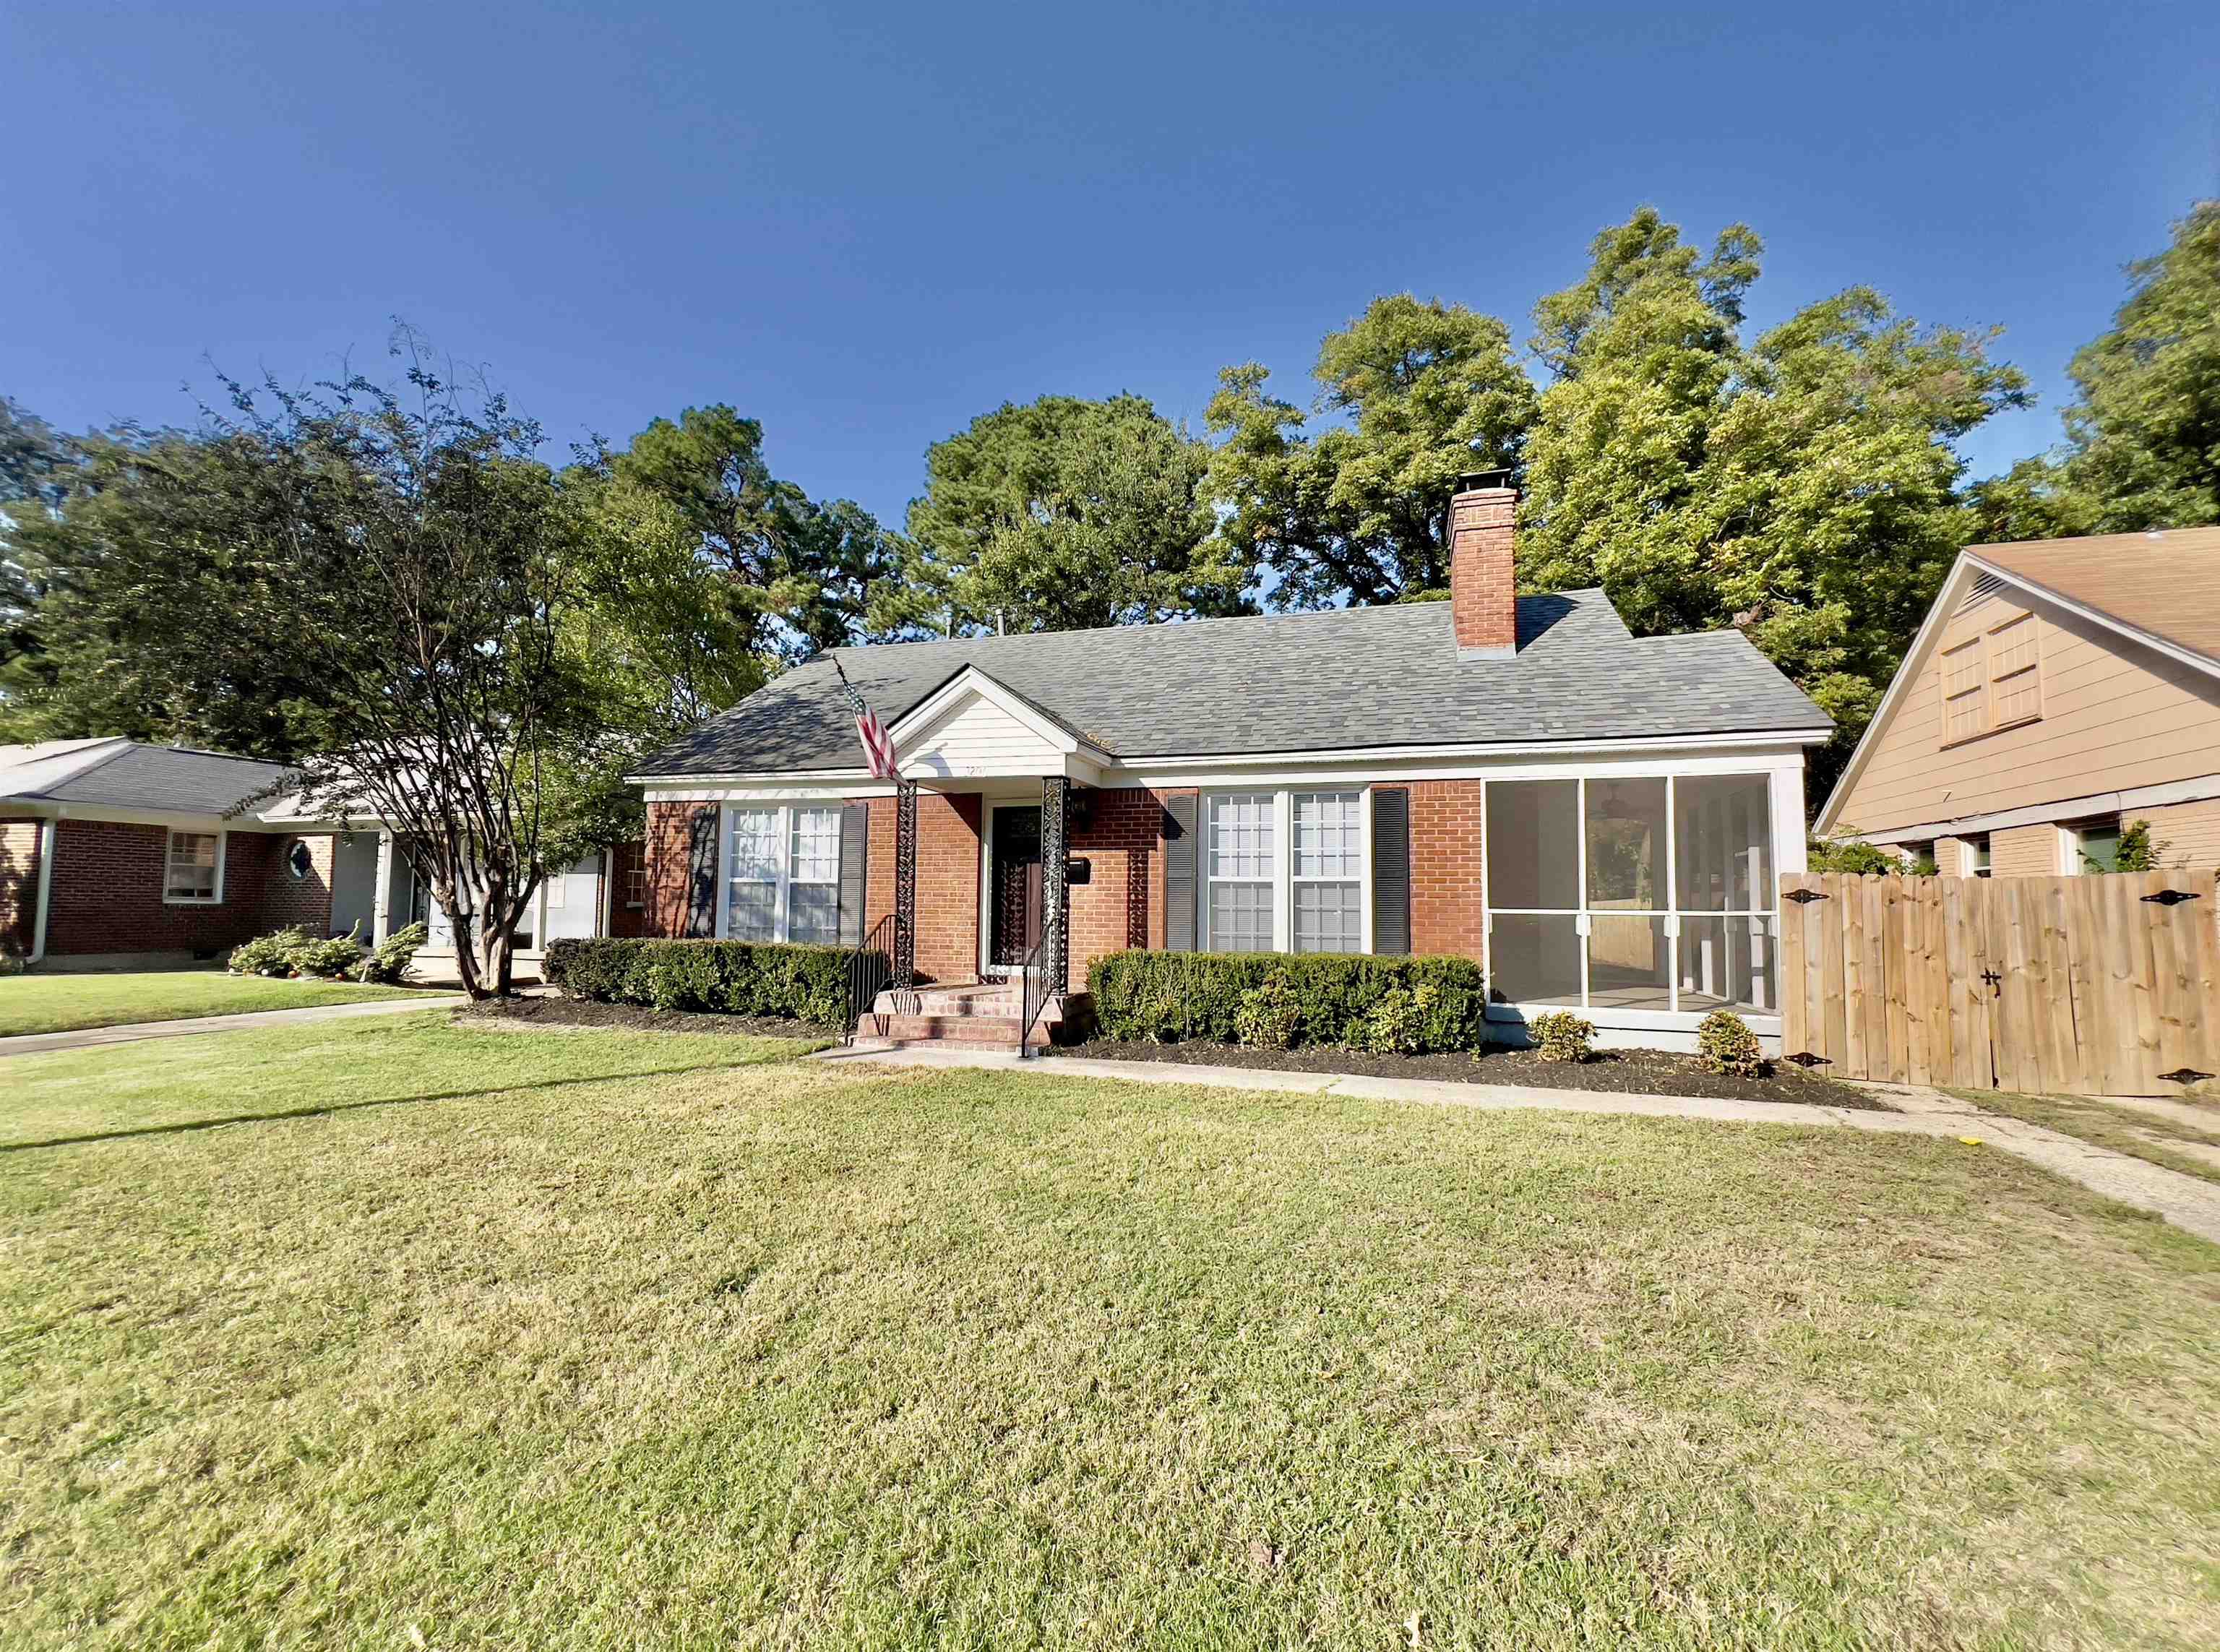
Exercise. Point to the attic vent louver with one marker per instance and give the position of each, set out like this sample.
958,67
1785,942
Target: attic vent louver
1985,585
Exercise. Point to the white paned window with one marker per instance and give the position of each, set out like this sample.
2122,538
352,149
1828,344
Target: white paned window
751,874
1329,872
781,873
1244,871
813,899
195,873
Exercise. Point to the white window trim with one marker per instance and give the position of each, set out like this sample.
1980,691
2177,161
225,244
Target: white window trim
222,854
1670,913
1283,862
783,813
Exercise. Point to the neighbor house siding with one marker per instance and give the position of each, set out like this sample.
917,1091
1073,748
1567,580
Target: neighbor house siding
106,894
2190,831
2024,851
2115,715
19,886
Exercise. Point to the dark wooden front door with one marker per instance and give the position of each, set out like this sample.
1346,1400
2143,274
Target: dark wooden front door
1014,907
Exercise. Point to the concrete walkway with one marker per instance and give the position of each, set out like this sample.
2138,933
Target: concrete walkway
2185,1202
131,1031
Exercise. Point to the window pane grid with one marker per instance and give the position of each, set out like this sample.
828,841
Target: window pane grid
192,870
751,897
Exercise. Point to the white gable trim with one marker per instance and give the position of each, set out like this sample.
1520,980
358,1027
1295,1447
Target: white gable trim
1964,573
970,682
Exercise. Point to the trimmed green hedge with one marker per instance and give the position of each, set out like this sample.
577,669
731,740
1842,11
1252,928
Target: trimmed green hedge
808,983
1416,1004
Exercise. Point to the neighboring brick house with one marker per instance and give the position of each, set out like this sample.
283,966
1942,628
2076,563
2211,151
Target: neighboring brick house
114,852
2060,691
1599,818
118,851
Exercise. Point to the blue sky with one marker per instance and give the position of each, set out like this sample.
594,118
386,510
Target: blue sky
866,225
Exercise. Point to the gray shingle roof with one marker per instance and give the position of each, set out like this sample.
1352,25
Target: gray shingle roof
172,779
1377,677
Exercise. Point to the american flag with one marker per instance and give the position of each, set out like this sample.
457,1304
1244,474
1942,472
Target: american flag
878,747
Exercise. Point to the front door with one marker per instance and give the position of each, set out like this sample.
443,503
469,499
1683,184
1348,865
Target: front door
1013,885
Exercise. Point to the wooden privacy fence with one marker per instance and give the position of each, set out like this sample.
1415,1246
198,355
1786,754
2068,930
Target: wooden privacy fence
2097,986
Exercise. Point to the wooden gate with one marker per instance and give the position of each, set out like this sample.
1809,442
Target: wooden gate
2096,986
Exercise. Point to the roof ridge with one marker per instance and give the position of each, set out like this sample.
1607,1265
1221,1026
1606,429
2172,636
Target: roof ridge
1166,625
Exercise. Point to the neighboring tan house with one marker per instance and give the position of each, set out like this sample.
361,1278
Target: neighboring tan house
1599,818
115,853
2060,691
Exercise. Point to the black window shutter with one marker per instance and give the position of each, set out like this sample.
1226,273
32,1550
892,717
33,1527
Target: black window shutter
1391,871
855,848
702,875
1179,873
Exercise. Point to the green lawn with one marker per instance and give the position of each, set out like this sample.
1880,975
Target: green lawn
649,1349
2142,1135
61,1003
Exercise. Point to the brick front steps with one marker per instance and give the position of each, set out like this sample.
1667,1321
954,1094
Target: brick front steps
969,1012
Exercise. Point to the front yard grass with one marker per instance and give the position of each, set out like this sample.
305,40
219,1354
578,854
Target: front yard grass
48,1002
2140,1134
602,1339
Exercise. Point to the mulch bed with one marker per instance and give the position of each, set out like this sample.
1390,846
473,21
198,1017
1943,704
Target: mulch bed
556,1014
1627,1072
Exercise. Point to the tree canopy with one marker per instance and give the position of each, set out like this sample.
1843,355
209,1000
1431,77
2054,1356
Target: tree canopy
1062,513
800,574
1358,510
2142,434
1802,487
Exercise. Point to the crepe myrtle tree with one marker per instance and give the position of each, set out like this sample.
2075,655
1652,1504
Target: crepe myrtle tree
400,557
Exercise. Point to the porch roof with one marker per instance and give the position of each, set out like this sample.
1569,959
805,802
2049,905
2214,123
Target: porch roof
1292,683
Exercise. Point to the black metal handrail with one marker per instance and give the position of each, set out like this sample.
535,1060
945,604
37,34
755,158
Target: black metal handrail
1035,992
870,971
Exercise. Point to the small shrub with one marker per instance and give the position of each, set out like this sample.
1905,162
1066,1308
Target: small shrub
1269,1018
1563,1035
1396,1022
269,955
333,959
1174,997
1865,859
2137,853
393,956
1726,1045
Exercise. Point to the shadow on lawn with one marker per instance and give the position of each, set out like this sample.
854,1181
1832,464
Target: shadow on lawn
187,1126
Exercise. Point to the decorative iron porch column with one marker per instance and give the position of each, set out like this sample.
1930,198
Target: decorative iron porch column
905,884
1055,846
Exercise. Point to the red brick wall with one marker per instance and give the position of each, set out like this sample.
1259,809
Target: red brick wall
627,871
947,880
107,892
1447,887
669,848
1122,905
303,901
19,886
1482,525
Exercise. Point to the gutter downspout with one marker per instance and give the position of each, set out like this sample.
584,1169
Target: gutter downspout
46,837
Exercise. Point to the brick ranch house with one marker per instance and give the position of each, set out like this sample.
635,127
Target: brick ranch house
116,854
1598,817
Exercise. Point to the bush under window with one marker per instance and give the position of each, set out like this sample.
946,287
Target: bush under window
1251,998
806,982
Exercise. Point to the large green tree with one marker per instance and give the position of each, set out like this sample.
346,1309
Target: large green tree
1802,486
2142,447
1062,514
804,573
1349,501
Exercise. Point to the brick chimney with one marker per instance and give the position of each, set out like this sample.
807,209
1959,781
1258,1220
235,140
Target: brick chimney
1483,597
